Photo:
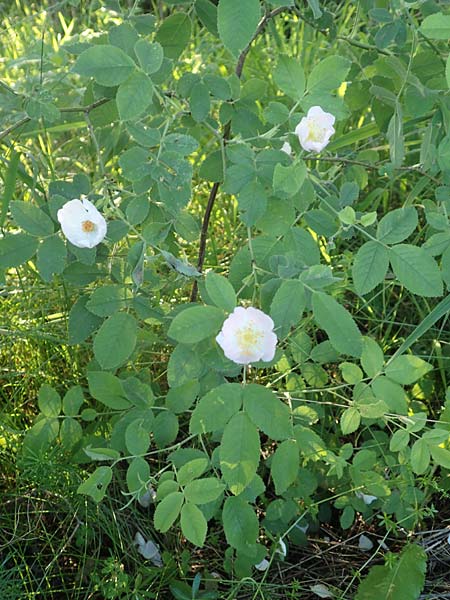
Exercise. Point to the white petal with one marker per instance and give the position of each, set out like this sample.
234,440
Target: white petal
317,113
286,148
260,318
303,528
302,130
270,346
365,543
366,498
283,549
148,549
322,591
263,565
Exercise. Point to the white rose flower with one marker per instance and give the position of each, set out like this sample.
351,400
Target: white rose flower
247,336
82,224
314,130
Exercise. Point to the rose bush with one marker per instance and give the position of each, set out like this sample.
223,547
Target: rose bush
236,253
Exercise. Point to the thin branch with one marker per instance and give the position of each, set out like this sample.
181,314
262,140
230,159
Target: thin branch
81,109
371,166
363,46
226,136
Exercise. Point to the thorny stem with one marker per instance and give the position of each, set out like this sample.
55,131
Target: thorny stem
226,136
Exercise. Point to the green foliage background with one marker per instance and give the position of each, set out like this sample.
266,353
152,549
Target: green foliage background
171,117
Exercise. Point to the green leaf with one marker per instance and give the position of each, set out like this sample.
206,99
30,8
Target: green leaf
351,373
51,257
420,457
287,306
137,437
115,340
181,398
441,456
338,323
392,394
180,143
350,420
16,249
290,77
287,181
81,322
402,579
96,485
211,168
138,475
137,392
436,26
220,291
193,524
315,7
370,266
216,408
9,184
267,412
70,433
167,511
196,323
328,75
42,435
416,270
397,225
407,369
202,491
31,218
399,440
199,102
191,470
107,388
372,357
395,137
150,55
284,465
107,64
239,452
134,162
174,34
207,13
240,523
107,300
165,428
165,488
72,401
237,23
101,453
252,200
49,401
447,71
124,36
145,136
134,96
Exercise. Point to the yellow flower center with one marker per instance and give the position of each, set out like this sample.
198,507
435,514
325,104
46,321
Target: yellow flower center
315,132
88,226
248,337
